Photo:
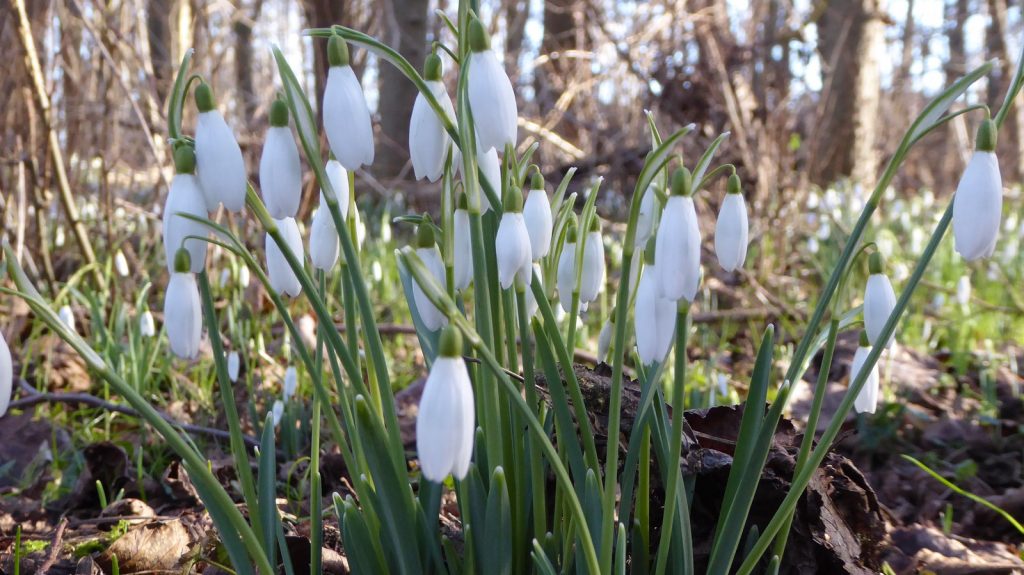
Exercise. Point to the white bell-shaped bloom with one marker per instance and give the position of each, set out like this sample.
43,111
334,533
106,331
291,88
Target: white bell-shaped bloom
539,224
280,171
463,247
879,301
732,229
645,219
338,177
234,366
6,375
677,248
490,166
963,291
429,142
654,319
183,315
531,302
346,115
282,278
147,325
978,203
244,276
604,339
566,275
427,250
593,277
446,422
277,411
184,197
291,383
67,316
512,245
323,239
219,162
491,98
121,264
867,399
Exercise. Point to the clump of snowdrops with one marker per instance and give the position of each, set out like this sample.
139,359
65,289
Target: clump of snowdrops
501,276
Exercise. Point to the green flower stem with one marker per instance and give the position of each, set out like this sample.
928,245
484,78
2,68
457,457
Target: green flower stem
315,491
538,494
675,454
440,299
217,500
803,477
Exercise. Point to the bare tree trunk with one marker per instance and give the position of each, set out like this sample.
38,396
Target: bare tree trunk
1011,144
406,25
322,14
159,34
851,41
517,12
243,58
956,66
561,38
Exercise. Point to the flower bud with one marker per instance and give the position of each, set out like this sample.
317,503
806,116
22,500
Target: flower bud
280,170
184,198
978,203
219,162
183,316
429,142
463,252
491,98
346,115
512,245
677,249
537,213
732,229
426,249
879,300
446,422
592,282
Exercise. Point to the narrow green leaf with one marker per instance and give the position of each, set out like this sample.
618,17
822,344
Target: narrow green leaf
705,159
268,489
177,100
498,526
361,547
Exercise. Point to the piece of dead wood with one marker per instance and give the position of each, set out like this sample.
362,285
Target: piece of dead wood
150,547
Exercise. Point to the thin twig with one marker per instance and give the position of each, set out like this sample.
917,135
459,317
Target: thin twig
55,546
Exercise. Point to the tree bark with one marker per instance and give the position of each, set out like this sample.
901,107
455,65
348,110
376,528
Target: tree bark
322,14
561,37
406,30
158,29
243,59
1011,142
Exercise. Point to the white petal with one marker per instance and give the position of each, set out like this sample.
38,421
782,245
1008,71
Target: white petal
219,163
977,207
338,177
281,173
566,278
512,247
645,317
428,140
185,198
492,101
282,279
147,325
490,166
291,383
731,233
463,251
465,419
183,315
593,278
677,250
531,302
645,221
347,119
445,422
537,213
432,317
867,399
604,340
323,239
879,301
6,375
234,366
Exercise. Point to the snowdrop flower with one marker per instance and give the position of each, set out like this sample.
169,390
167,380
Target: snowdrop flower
604,339
147,326
512,246
244,277
678,242
277,411
812,245
6,375
225,277
185,197
234,366
566,275
978,203
219,160
426,249
337,175
183,315
428,140
824,230
282,278
291,383
867,399
346,116
537,212
879,300
645,221
654,317
323,238
463,252
490,166
446,422
732,229
592,282
67,316
59,238
280,172
963,291
121,264
491,98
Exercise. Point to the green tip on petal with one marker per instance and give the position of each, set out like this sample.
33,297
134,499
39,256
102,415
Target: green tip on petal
462,203
876,263
595,224
337,52
278,114
682,182
536,181
988,134
185,160
451,342
734,184
611,316
864,341
571,230
513,201
425,233
182,261
204,98
432,68
649,250
479,40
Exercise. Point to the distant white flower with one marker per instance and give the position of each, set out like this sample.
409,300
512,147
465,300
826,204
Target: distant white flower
978,203
280,170
963,291
291,383
6,375
244,276
225,277
446,422
537,213
593,277
282,278
67,316
566,275
867,399
346,116
427,250
732,229
219,160
121,264
812,245
879,301
183,317
429,142
654,319
323,239
463,247
184,198
677,249
645,220
604,339
512,245
234,366
491,97
277,411
147,326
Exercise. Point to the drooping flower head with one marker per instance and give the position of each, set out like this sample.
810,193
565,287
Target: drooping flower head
677,248
867,399
978,203
537,213
183,316
429,142
654,316
463,252
346,115
282,278
512,246
645,220
6,375
491,98
426,249
604,339
879,300
446,423
732,229
566,276
280,171
218,160
184,197
593,277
